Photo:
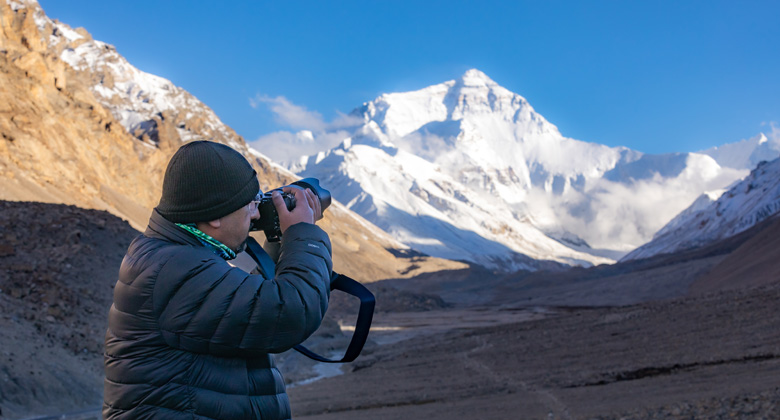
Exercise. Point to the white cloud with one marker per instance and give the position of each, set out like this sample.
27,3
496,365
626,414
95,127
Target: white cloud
345,121
286,147
640,207
287,113
774,134
314,134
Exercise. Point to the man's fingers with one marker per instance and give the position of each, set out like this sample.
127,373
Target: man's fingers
317,206
276,197
302,213
296,191
304,195
314,201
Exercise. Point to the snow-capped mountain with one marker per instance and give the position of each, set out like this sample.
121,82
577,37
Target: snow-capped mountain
746,153
150,107
747,203
467,169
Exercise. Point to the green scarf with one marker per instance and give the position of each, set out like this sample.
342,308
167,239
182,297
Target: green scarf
218,247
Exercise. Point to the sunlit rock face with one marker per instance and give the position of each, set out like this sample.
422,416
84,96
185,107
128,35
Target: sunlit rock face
80,125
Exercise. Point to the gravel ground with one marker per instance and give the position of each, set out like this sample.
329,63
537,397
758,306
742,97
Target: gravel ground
716,356
58,266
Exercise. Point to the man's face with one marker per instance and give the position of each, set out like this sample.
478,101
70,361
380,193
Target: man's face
234,228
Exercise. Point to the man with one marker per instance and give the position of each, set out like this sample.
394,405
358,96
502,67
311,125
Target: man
189,335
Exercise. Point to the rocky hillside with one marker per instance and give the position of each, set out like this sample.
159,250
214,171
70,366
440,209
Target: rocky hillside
79,125
58,143
58,266
754,263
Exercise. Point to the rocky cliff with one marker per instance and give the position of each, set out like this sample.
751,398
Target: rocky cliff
79,125
59,144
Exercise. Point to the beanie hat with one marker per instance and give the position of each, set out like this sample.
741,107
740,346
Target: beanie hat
205,181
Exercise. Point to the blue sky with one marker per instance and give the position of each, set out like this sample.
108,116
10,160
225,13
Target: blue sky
659,76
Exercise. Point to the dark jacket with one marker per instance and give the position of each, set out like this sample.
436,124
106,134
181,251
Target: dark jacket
189,336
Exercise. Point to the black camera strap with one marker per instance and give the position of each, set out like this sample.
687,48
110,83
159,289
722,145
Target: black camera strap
362,325
264,261
337,282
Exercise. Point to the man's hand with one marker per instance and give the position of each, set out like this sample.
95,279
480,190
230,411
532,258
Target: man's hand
307,207
314,203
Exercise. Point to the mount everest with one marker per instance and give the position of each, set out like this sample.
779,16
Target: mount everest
468,170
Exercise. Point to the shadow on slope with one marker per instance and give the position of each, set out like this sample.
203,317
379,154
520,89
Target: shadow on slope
58,266
754,263
660,277
456,243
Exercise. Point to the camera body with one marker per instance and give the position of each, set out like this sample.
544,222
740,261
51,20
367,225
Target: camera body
269,223
269,217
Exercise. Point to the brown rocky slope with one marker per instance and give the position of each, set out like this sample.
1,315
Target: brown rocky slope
754,263
60,144
58,266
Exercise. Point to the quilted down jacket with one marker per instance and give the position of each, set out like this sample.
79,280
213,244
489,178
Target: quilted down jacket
189,336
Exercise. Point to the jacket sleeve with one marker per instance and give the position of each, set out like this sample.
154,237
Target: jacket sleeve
205,306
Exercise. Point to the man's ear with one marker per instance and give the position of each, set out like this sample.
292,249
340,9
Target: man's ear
209,226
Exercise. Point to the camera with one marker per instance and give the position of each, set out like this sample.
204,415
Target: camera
269,223
269,218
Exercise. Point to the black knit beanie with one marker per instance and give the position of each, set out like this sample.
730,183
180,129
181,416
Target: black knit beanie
205,181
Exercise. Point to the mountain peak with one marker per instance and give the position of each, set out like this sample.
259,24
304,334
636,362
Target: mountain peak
475,77
18,4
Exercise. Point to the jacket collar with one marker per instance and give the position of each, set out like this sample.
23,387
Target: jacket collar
162,228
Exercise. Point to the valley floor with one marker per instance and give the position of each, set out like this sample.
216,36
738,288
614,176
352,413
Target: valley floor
716,356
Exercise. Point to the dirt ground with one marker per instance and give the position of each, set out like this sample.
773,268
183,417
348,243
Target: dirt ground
716,356
54,300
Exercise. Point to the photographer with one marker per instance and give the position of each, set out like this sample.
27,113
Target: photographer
189,335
